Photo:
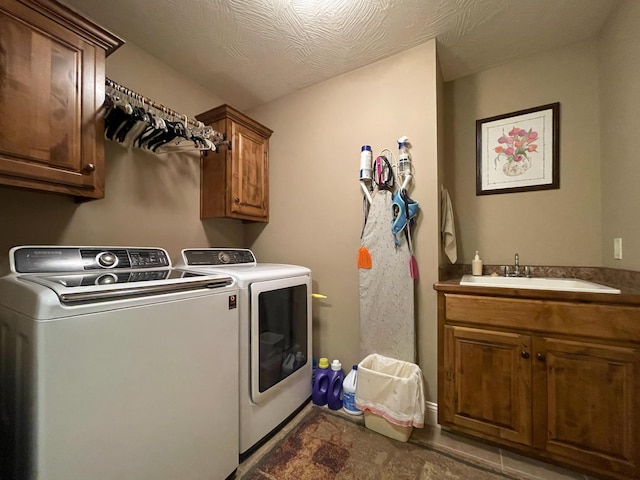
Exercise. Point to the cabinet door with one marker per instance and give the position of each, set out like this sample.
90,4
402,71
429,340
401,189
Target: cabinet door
250,166
51,86
592,403
488,383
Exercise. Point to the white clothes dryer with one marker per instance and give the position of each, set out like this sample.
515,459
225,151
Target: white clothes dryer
115,365
275,338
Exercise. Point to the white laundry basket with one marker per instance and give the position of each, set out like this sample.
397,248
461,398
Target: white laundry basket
391,394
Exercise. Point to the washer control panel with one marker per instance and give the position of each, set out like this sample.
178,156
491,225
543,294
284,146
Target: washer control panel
50,259
218,257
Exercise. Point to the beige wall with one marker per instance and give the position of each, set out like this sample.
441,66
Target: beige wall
548,227
316,202
619,58
151,200
442,144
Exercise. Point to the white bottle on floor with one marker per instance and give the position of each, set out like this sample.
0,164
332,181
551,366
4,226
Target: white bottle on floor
349,392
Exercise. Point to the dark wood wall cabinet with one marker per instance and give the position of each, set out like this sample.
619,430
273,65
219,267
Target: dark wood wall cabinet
556,379
52,64
234,182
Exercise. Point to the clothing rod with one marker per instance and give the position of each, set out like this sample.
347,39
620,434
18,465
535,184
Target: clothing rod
158,106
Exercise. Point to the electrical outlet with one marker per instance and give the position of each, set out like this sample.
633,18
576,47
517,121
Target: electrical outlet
617,248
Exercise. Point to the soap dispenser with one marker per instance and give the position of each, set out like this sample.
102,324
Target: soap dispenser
476,265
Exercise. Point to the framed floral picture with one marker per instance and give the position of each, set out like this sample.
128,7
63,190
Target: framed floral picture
518,151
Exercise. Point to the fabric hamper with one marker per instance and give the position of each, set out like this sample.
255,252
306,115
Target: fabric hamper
391,394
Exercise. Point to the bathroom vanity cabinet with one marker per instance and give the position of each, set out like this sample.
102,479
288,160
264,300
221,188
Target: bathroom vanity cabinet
234,182
52,78
555,378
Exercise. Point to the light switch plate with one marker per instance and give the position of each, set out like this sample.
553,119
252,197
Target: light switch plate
617,248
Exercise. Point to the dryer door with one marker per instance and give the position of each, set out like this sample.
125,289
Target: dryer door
280,333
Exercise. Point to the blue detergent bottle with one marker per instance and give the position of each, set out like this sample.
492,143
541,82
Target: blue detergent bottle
314,365
336,377
321,383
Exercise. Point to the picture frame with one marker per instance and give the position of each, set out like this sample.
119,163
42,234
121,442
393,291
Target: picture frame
518,151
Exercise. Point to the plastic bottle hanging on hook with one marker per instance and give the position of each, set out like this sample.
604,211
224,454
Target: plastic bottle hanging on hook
404,161
404,157
366,157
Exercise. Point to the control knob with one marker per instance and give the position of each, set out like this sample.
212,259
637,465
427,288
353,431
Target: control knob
107,259
106,279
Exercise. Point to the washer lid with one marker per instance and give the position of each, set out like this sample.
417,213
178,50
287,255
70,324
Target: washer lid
78,288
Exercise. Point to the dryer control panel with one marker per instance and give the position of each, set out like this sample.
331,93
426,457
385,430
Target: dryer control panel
218,257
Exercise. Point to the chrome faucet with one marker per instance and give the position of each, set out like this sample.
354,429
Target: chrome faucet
514,270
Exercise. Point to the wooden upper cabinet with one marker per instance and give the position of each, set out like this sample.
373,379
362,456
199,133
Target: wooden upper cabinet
234,181
52,64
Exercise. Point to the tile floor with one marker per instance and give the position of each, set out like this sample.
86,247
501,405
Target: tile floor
497,457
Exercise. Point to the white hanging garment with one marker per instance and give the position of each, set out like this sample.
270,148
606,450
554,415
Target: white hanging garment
447,228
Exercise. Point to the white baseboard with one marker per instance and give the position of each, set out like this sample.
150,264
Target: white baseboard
431,414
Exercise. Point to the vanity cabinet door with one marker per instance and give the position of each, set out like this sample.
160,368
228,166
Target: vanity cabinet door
487,383
591,402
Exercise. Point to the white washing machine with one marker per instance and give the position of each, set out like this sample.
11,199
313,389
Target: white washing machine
113,365
275,337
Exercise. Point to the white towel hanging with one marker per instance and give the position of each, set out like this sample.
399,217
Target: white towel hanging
447,227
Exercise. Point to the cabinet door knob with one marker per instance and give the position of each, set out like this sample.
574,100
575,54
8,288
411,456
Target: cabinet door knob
89,167
540,356
237,200
524,354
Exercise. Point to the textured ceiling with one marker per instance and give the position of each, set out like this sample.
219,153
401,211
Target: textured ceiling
253,51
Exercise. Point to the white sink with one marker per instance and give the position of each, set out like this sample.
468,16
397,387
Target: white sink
537,283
